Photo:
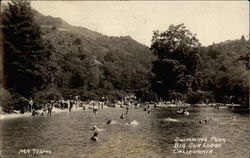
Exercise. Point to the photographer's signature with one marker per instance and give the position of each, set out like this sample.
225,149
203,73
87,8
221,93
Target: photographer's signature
34,151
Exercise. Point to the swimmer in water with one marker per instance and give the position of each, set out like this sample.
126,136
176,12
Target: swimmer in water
94,137
203,121
126,112
122,116
185,112
108,122
94,128
149,111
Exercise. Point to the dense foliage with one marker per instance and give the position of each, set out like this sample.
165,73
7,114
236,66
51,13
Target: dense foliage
27,56
46,58
186,71
64,60
176,68
226,70
92,68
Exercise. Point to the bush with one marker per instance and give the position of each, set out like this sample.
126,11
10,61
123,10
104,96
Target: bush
42,97
11,100
54,28
78,41
18,102
145,95
200,96
115,95
89,95
173,95
5,100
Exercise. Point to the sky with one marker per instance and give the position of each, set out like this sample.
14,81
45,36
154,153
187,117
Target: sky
212,21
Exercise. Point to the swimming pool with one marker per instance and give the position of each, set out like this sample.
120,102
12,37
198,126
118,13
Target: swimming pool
154,135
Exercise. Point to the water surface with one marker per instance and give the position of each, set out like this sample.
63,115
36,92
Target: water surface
68,134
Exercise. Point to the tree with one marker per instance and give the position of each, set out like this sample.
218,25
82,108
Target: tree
27,55
243,39
226,66
178,60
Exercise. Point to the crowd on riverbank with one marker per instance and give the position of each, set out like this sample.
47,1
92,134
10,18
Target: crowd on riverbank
28,107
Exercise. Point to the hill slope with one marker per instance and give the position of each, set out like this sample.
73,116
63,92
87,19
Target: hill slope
90,61
226,70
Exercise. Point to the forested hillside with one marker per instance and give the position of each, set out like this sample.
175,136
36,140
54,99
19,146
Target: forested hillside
226,70
47,58
86,63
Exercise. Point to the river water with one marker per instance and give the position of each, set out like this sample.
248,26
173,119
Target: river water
154,135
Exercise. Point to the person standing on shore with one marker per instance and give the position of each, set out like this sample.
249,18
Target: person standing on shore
68,105
71,105
95,110
31,104
50,107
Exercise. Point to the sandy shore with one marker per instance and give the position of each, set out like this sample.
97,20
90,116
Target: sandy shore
18,115
13,115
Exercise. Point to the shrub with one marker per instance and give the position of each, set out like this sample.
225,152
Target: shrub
173,95
89,95
54,28
145,95
5,99
78,41
200,96
11,100
42,97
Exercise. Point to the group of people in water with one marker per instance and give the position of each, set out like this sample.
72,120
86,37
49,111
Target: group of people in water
96,130
65,104
147,108
95,106
47,110
183,111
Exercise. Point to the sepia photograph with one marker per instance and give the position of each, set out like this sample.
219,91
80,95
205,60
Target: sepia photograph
124,79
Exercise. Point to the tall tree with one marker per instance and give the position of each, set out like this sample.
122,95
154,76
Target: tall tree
178,59
26,53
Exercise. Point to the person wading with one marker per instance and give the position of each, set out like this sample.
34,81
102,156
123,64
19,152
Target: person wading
31,104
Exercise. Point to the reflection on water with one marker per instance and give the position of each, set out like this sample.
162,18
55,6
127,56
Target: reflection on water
149,136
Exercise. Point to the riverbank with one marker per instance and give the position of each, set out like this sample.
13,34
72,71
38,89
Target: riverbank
27,114
55,110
